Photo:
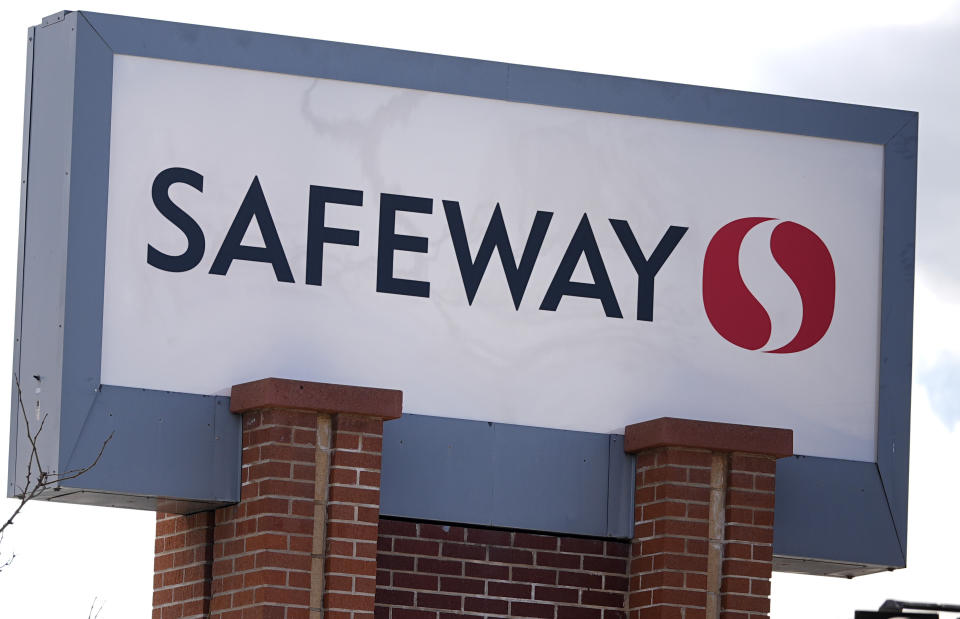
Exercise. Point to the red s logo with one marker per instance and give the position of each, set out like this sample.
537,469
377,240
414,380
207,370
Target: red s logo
733,310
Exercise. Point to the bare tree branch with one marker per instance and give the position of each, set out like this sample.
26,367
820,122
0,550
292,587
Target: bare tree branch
12,555
91,614
44,479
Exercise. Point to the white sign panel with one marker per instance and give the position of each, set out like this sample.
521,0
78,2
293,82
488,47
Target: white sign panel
262,225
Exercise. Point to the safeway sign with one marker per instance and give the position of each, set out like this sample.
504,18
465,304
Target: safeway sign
568,253
564,252
497,261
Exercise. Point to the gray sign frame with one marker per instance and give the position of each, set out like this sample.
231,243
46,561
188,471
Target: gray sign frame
181,452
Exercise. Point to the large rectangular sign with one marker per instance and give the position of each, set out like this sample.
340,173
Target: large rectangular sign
504,244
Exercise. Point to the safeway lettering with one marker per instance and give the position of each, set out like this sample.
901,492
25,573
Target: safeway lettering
254,210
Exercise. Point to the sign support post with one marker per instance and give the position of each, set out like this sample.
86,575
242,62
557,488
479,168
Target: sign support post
303,538
703,534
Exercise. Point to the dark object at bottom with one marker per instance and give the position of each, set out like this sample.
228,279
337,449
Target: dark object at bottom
890,614
894,608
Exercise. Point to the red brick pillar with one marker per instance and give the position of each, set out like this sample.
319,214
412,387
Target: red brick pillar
703,533
301,543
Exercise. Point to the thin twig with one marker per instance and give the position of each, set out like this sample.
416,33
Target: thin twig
91,614
12,555
44,479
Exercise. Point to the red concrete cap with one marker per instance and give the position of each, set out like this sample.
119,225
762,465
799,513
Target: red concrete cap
672,432
318,397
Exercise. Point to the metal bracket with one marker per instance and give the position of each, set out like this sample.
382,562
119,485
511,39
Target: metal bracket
54,19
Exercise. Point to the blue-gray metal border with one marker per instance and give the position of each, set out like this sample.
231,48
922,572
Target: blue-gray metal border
495,474
828,510
21,239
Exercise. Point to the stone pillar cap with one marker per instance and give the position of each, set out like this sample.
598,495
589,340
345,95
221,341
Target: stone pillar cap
316,397
673,432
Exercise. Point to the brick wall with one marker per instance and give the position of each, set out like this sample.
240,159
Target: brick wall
302,541
306,541
672,510
429,571
182,565
263,544
703,540
748,560
353,506
303,537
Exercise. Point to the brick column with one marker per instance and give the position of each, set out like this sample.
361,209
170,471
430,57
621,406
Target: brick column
703,534
301,543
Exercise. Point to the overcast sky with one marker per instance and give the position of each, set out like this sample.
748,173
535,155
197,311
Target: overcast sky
880,52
